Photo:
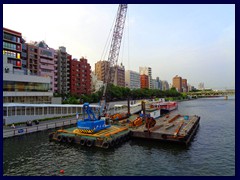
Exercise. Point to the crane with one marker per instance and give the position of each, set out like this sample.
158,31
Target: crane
91,124
114,51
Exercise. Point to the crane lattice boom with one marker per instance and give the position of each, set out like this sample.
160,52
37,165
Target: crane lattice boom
115,44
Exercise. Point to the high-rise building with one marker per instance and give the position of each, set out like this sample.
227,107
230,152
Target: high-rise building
144,81
118,75
80,73
24,56
165,85
154,84
147,71
159,83
63,72
132,79
55,90
177,83
12,48
32,59
184,85
46,61
101,68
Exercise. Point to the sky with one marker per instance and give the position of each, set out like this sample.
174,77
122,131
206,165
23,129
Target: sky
194,41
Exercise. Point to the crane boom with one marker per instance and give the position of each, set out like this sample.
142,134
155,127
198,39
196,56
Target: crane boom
117,34
115,46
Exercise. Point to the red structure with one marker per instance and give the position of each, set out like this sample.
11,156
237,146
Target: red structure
144,81
80,77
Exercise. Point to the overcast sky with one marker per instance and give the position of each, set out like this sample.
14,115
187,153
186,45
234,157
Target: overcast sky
196,42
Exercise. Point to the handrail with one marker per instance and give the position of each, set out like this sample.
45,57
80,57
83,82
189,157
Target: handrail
36,128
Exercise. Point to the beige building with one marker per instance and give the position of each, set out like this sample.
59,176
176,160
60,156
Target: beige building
101,68
177,83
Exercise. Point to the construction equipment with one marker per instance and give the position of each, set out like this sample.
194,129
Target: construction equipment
114,52
90,124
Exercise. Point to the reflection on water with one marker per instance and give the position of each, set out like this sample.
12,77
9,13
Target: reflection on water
212,151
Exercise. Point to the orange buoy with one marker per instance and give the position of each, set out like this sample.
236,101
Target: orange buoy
62,171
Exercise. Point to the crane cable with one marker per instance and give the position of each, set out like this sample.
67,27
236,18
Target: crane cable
128,40
107,44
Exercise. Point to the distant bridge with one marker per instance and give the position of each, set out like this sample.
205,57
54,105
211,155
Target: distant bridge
211,93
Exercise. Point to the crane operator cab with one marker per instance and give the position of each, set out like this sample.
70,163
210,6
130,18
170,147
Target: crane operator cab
90,124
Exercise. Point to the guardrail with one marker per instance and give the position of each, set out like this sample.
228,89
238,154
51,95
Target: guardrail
36,128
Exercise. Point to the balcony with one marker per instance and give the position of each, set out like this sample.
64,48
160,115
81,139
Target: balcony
49,67
46,61
46,74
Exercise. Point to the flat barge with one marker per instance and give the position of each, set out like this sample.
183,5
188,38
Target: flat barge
106,133
110,137
171,127
91,132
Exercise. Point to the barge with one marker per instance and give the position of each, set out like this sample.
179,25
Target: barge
110,137
171,127
91,131
107,133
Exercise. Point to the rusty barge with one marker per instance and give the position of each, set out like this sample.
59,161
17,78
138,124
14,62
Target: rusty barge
171,127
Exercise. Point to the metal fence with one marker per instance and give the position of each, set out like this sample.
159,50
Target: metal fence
36,128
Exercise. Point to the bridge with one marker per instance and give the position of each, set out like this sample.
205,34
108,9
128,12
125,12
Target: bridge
211,93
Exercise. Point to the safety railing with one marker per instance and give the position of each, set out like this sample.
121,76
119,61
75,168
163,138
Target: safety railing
36,128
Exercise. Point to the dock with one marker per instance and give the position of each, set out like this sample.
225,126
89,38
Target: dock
171,127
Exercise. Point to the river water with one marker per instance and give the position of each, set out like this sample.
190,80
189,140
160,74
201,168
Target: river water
211,153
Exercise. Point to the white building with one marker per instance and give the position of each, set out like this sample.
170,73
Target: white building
21,88
132,79
95,84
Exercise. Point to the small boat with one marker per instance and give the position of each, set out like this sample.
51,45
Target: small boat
166,107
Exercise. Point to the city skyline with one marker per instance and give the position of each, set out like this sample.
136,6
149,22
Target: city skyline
196,42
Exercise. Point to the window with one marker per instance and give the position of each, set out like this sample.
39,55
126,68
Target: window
10,37
9,53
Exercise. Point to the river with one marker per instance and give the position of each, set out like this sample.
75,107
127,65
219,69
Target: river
211,153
